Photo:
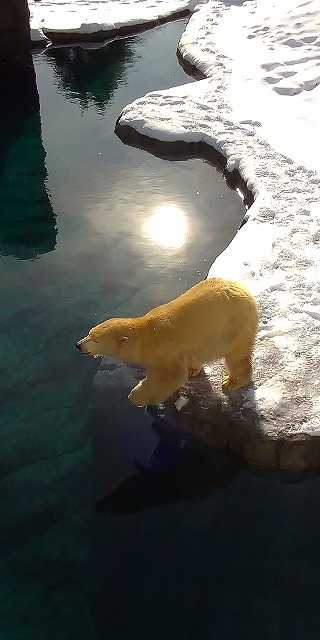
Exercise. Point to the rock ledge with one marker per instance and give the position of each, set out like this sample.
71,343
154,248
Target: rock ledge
261,436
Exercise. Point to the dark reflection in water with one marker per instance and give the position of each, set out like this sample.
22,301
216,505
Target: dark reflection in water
87,75
27,222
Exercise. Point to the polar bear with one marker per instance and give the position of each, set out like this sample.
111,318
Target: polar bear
215,319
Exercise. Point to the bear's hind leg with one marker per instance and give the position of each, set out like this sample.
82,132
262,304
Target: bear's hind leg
159,385
239,365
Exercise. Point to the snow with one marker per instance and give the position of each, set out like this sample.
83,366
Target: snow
92,16
259,107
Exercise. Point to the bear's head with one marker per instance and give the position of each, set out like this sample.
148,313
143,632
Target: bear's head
114,338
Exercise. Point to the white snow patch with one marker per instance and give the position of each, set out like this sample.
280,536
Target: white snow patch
269,394
181,402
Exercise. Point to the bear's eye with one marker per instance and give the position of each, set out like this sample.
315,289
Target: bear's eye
96,341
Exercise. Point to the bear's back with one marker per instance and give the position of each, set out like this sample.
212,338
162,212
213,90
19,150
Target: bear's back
207,319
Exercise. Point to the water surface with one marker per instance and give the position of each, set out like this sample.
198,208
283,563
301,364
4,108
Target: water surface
187,548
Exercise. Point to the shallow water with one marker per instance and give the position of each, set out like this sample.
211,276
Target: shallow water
90,228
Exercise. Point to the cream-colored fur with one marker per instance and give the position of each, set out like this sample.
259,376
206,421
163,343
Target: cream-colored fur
214,319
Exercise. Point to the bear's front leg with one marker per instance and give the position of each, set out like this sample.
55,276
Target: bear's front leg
239,366
159,385
194,371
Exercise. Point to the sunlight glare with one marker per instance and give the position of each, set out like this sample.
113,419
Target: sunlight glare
167,226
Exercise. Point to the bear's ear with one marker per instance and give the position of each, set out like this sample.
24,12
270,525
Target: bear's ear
122,340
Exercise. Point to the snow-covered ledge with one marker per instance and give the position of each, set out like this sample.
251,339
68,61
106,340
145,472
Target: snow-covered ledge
76,21
277,252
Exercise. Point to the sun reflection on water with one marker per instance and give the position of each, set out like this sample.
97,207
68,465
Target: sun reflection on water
167,226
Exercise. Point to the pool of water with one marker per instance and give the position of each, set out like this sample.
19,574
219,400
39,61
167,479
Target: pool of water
185,547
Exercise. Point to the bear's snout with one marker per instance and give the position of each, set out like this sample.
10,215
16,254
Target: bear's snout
80,346
87,348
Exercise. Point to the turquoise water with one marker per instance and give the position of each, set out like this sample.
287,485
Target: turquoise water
188,548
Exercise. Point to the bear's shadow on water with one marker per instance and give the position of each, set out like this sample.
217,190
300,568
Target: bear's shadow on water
167,463
177,473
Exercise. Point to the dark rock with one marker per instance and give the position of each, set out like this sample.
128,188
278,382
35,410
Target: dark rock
15,39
